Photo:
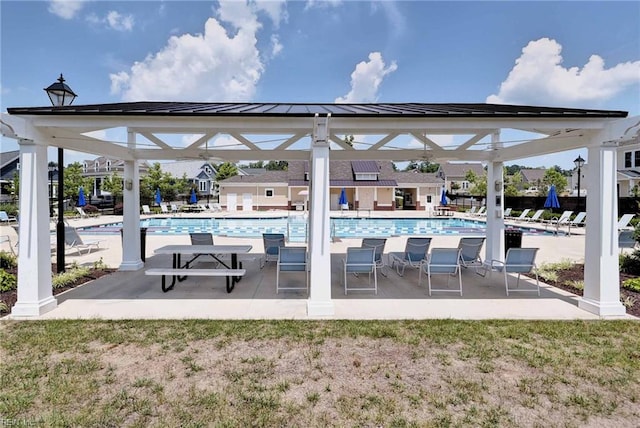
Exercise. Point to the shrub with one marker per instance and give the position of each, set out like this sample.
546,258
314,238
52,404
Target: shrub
69,277
7,260
630,263
11,209
632,284
8,281
90,209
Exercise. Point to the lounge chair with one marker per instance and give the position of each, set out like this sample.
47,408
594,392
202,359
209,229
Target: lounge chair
472,211
535,216
557,222
174,208
414,254
523,215
5,218
74,241
507,213
164,209
520,261
272,243
470,252
81,212
443,261
579,220
360,260
378,244
626,239
292,259
146,210
624,221
480,212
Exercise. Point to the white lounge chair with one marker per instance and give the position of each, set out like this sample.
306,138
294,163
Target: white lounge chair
360,260
444,261
507,213
74,241
520,261
146,210
5,218
81,212
415,253
535,216
523,215
624,221
164,209
579,220
292,259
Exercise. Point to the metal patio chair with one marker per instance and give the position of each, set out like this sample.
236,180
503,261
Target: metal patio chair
415,253
360,260
445,261
292,259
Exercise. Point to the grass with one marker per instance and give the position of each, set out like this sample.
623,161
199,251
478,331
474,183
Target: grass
320,373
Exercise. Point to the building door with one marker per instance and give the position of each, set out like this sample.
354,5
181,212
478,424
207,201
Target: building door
247,202
232,202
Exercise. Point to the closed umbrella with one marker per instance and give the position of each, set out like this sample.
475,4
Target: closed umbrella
552,198
443,198
158,197
343,199
81,199
193,199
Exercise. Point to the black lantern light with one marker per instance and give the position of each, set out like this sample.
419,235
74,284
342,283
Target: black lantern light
579,163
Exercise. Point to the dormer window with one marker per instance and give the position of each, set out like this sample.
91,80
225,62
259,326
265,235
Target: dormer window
207,170
366,176
95,166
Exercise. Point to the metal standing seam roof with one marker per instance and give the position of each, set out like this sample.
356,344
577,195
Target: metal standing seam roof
311,109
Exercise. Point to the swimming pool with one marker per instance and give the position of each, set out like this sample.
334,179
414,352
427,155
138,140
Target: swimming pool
295,227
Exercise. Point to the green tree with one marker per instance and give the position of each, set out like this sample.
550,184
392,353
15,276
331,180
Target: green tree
422,166
113,185
14,189
157,179
552,176
73,180
277,166
478,183
226,170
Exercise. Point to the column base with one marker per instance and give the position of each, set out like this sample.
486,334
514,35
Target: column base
131,266
320,309
34,309
603,309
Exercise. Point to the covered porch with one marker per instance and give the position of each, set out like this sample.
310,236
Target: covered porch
317,133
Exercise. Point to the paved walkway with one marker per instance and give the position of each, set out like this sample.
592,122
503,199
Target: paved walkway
127,295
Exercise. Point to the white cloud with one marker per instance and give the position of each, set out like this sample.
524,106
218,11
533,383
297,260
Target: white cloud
66,9
540,78
366,80
217,65
322,3
113,20
275,9
276,46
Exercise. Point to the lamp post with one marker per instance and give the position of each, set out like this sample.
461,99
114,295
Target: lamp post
60,95
579,163
52,169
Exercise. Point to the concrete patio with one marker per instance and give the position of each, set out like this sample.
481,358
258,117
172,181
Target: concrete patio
134,295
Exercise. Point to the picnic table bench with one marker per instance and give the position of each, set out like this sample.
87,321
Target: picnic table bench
179,272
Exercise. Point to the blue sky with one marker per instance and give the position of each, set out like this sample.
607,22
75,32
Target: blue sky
562,53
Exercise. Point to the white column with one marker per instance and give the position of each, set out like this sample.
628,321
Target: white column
494,247
601,272
35,296
319,303
131,214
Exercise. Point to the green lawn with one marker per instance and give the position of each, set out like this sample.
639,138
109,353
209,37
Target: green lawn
320,373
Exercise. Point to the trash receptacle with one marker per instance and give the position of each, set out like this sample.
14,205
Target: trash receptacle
512,239
143,241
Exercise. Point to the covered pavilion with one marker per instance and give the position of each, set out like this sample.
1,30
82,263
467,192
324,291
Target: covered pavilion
317,133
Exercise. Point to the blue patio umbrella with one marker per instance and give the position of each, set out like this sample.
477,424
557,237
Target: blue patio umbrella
158,197
443,198
552,198
343,198
81,199
193,199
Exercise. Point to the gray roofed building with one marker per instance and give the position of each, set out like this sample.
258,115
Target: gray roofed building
199,172
9,164
532,175
454,175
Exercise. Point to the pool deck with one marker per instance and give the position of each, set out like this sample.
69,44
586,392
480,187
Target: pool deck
133,295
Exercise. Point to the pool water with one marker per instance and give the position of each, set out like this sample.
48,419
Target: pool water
295,227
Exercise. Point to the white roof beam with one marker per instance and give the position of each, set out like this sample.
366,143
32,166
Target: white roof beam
383,141
244,141
291,140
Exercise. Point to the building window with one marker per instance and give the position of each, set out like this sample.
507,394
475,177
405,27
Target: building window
268,193
84,167
636,160
306,176
465,185
108,165
428,199
627,160
202,186
207,170
366,177
95,166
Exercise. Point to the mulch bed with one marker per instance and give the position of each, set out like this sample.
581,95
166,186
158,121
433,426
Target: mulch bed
10,297
576,273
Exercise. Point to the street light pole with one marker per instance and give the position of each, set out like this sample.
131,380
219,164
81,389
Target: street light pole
579,163
60,95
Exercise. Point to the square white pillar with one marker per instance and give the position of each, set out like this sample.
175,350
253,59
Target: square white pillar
320,303
35,295
601,270
494,248
131,259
